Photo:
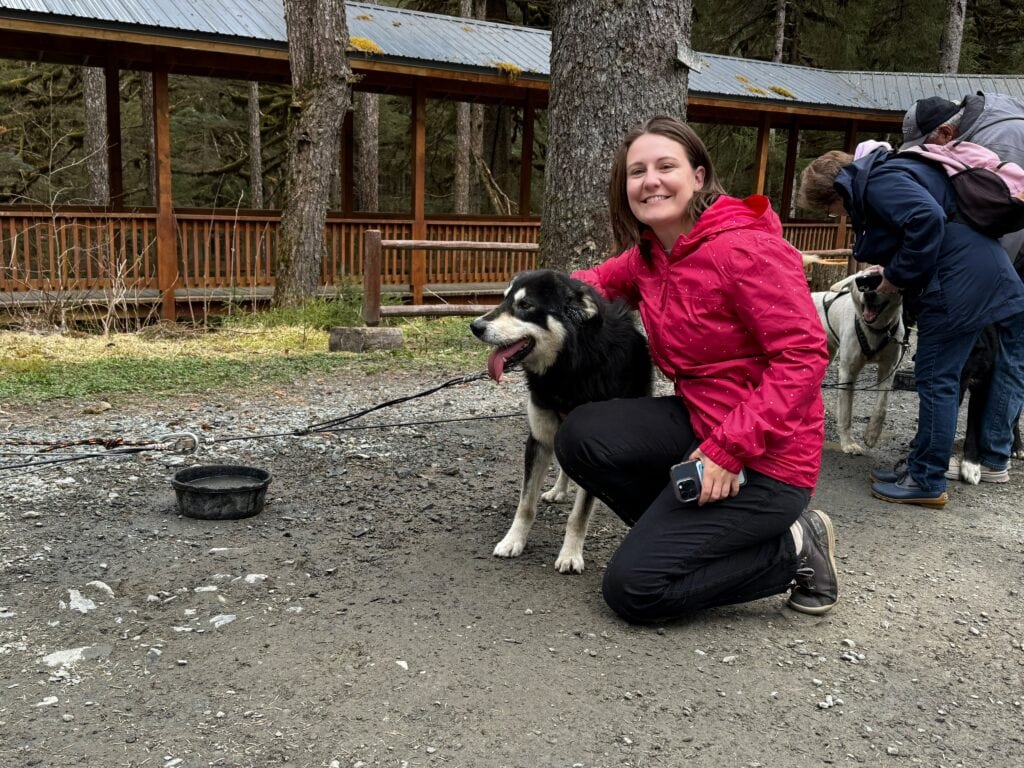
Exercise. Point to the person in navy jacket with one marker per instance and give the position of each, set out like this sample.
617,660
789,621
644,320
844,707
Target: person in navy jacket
954,280
731,323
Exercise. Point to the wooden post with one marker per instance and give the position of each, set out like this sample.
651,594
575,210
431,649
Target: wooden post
761,160
371,276
166,231
526,165
115,173
850,140
418,261
792,145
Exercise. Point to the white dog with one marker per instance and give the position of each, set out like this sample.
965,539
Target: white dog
863,326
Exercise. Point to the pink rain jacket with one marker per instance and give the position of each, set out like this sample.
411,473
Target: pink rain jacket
731,322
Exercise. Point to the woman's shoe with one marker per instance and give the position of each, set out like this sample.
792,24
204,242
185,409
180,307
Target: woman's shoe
817,583
906,491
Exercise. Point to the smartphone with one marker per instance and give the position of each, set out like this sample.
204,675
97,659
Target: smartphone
687,477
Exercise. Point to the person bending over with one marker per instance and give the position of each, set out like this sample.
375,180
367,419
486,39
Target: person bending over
996,122
725,305
954,280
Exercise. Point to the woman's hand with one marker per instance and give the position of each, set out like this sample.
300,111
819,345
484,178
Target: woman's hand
717,482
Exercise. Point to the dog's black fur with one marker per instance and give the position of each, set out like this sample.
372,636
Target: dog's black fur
575,347
976,379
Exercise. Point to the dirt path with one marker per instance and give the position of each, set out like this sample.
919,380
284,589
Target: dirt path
361,620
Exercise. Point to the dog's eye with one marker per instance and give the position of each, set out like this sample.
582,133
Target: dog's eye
524,305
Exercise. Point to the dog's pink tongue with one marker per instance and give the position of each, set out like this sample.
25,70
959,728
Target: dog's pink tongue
496,360
870,315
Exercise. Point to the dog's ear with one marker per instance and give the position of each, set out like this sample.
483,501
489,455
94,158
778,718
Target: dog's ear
585,306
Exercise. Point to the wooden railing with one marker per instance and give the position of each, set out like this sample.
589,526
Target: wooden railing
88,250
512,257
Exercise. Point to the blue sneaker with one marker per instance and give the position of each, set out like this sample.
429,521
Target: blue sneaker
906,491
899,469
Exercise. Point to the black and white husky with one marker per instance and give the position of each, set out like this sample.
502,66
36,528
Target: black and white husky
575,347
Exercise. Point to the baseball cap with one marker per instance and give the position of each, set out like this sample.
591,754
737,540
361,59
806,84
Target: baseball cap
924,117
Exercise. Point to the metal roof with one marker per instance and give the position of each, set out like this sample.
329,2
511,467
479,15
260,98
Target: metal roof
437,41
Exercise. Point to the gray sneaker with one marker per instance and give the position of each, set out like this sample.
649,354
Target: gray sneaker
817,583
973,473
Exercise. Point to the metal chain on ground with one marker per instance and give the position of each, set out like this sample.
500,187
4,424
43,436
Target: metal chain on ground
120,446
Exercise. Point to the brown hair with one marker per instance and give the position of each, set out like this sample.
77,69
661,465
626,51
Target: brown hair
817,182
626,227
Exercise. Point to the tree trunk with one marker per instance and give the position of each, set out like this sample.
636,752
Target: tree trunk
780,30
476,151
321,96
94,89
255,147
613,65
367,175
497,142
952,37
463,161
463,144
146,106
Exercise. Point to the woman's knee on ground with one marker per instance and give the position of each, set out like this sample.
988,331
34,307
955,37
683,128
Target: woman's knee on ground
632,595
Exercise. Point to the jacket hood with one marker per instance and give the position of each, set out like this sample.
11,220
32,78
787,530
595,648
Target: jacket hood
852,180
729,213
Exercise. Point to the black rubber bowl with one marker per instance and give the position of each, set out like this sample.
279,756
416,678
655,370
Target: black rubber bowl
220,491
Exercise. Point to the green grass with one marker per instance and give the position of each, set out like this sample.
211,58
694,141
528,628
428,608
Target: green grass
245,353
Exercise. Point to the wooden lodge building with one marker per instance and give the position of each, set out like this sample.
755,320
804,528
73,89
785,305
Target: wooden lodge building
166,257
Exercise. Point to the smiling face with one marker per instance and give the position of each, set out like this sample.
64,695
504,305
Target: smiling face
660,182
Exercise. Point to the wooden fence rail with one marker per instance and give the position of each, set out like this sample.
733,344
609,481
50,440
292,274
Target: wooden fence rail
514,257
232,254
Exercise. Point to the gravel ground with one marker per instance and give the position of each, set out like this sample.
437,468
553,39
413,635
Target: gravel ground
361,620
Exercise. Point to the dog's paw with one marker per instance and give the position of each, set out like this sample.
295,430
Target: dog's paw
510,546
571,562
852,448
970,472
555,495
1017,453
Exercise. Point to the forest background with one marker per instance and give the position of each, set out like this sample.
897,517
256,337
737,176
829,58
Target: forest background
229,138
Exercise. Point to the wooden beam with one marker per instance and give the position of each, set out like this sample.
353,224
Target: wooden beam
106,35
792,147
703,105
418,265
761,158
166,230
115,164
526,161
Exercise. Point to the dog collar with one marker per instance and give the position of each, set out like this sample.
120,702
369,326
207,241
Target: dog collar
865,345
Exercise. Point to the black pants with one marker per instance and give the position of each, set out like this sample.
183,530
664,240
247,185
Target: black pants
676,558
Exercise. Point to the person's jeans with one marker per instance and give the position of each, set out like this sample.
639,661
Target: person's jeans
939,360
1005,396
676,558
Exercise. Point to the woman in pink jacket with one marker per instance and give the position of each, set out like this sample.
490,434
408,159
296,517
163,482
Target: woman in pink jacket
726,307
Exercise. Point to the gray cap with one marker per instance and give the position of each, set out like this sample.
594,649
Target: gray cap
924,117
